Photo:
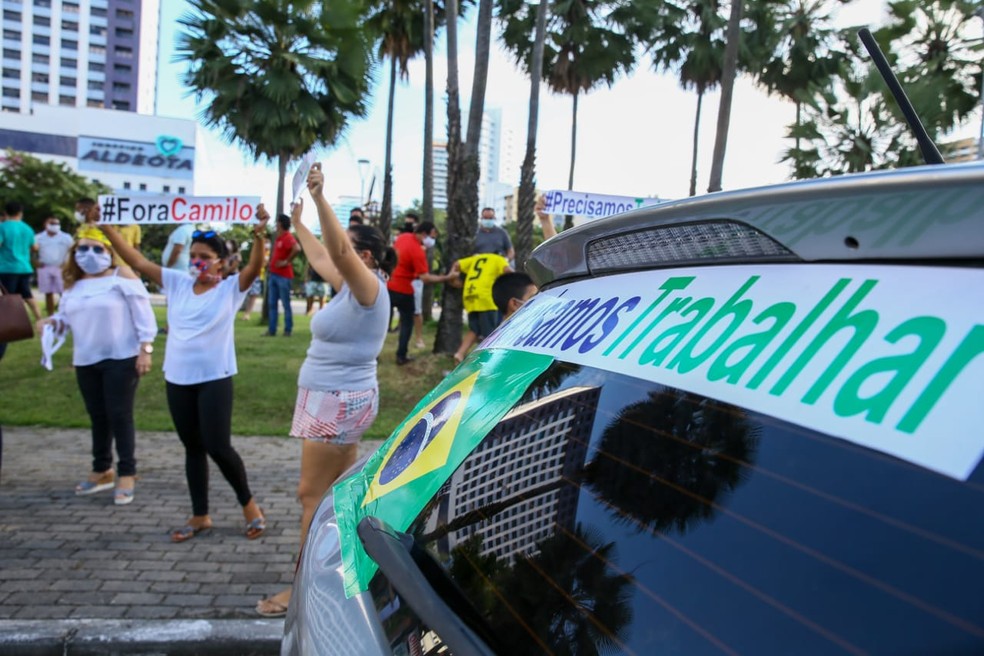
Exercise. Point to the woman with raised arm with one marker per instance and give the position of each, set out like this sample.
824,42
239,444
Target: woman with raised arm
200,361
337,396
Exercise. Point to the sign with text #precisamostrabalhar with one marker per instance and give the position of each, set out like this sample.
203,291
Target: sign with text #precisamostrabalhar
146,210
592,206
888,357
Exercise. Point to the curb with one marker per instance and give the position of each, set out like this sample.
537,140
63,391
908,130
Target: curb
149,637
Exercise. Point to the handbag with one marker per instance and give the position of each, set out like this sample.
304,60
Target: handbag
14,322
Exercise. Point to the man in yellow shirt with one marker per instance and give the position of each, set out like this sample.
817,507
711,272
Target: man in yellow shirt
480,272
131,234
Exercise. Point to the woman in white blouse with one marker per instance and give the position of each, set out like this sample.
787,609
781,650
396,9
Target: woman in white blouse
113,328
200,361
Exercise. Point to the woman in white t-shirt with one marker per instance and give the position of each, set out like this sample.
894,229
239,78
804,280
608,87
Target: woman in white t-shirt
200,361
113,328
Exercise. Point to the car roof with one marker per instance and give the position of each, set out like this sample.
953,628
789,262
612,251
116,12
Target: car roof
921,213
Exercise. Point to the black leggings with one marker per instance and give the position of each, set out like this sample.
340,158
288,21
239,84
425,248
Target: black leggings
108,388
404,305
202,415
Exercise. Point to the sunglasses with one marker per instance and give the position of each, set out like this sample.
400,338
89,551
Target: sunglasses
206,234
98,250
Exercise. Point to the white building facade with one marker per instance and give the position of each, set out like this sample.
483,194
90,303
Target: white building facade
124,150
80,53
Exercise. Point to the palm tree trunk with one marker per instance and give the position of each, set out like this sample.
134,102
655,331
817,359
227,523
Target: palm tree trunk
799,109
463,174
569,218
456,240
527,174
693,159
728,73
428,192
281,177
570,176
386,211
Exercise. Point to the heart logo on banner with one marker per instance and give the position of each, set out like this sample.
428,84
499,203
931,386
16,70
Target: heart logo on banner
168,146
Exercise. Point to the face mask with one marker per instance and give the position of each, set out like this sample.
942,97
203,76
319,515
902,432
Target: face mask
92,262
198,268
80,217
487,223
53,229
429,242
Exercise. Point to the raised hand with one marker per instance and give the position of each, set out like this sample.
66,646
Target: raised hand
316,180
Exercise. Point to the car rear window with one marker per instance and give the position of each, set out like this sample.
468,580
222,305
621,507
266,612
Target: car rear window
605,513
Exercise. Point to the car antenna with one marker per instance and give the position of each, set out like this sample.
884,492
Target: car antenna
930,152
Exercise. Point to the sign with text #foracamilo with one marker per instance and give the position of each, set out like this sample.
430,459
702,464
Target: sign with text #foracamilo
148,210
888,357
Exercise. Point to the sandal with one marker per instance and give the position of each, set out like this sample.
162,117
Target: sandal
103,481
124,495
270,608
255,527
187,532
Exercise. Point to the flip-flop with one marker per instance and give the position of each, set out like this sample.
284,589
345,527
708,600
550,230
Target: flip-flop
89,487
255,527
273,609
187,532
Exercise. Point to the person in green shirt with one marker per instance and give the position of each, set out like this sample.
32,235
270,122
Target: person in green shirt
16,242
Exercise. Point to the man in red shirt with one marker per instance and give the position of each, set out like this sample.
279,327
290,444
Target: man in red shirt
411,264
285,249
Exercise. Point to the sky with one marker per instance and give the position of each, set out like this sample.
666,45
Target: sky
634,139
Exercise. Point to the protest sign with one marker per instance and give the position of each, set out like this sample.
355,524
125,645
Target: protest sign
146,209
299,181
592,206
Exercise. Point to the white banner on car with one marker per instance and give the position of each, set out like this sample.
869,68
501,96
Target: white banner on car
592,206
888,357
145,209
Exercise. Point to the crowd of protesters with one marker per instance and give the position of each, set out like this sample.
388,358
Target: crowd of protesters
92,288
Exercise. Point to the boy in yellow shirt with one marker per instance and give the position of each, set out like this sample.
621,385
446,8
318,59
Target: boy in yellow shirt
480,272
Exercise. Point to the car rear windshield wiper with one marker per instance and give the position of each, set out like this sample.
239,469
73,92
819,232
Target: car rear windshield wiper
426,588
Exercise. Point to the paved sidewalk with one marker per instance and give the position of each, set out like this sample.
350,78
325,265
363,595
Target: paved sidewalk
64,557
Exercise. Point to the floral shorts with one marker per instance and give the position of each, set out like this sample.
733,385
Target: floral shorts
338,417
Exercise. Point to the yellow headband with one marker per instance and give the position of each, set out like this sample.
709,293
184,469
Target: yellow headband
92,232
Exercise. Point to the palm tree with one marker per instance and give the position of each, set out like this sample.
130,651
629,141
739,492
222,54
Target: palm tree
401,24
463,168
428,181
570,594
853,130
805,55
728,73
590,42
664,462
688,38
936,56
527,174
280,76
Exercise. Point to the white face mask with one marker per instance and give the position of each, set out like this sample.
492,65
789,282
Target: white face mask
80,216
53,228
429,242
487,223
92,262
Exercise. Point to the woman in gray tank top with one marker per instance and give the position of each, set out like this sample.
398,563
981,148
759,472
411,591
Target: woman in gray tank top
337,396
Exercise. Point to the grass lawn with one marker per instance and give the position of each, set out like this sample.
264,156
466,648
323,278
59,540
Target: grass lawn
265,387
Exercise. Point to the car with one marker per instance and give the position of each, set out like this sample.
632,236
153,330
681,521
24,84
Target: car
748,422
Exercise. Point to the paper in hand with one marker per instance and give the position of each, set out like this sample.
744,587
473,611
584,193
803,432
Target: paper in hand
298,183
